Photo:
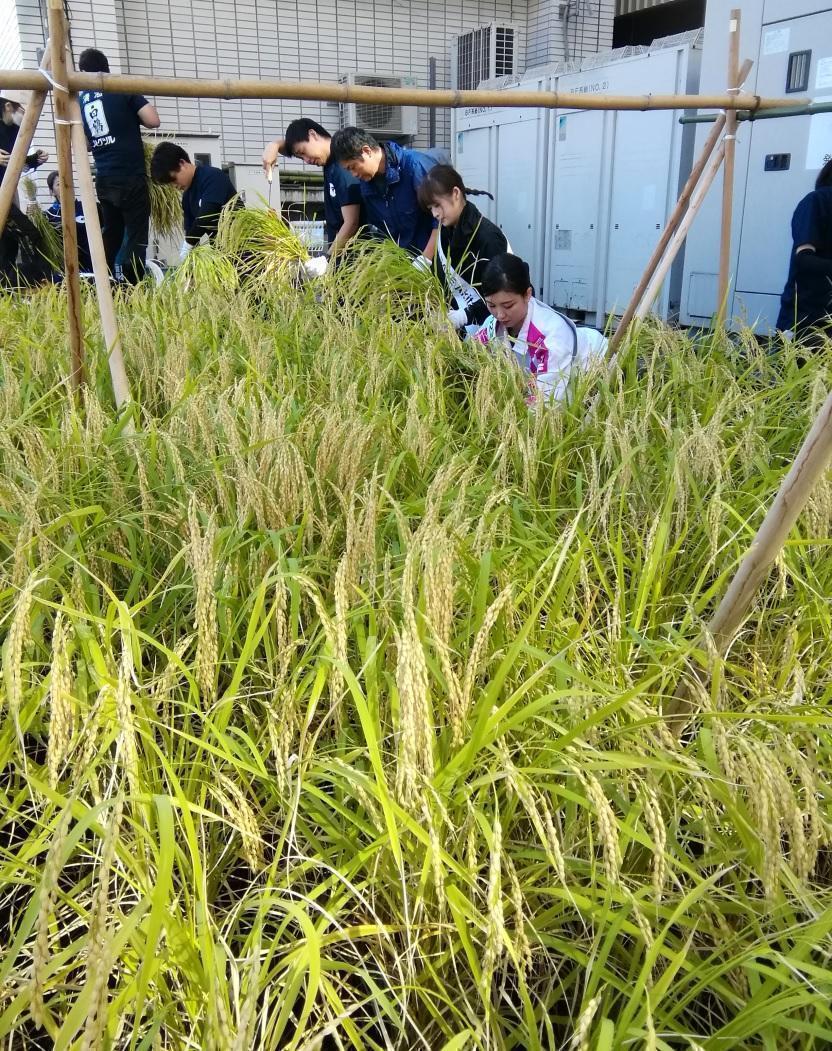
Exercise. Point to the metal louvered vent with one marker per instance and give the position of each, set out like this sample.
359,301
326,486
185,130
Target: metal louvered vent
797,78
381,119
484,53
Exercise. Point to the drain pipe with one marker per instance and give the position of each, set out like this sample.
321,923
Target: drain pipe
564,21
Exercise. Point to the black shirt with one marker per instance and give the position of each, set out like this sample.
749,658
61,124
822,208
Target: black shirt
203,201
113,131
8,137
469,247
340,189
807,297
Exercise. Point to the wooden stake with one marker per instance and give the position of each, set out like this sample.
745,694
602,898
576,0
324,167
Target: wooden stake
20,151
192,87
103,289
724,287
60,102
794,492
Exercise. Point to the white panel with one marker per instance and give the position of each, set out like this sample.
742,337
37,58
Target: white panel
576,207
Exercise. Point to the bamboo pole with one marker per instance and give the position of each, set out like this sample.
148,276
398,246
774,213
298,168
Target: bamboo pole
681,234
192,87
794,492
60,103
20,151
103,290
724,287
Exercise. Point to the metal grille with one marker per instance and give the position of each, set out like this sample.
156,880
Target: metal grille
372,115
472,58
797,78
627,7
503,52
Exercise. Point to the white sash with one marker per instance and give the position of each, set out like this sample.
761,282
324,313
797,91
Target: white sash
464,295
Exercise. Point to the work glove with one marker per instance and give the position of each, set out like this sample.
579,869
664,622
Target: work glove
421,262
183,251
315,267
458,318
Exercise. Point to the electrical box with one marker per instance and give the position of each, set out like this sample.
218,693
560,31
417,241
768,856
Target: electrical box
778,159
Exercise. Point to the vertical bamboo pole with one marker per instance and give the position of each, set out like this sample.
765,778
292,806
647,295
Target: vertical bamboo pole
724,287
20,151
103,289
60,102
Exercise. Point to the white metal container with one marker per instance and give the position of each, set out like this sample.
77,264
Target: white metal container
583,195
777,160
615,180
504,151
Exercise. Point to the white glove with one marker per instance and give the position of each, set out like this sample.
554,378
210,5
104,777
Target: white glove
315,267
458,318
421,262
183,251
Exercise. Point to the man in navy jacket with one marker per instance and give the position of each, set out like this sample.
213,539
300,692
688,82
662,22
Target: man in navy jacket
205,190
390,176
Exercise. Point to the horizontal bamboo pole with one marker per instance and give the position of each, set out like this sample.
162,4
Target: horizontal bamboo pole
190,87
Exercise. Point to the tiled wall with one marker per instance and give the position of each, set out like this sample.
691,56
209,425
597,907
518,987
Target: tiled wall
590,30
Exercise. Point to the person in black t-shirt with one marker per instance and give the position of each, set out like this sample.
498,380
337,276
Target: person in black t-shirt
205,189
113,124
19,232
306,140
806,303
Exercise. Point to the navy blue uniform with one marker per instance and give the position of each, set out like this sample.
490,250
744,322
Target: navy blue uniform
113,131
203,201
807,298
340,189
391,201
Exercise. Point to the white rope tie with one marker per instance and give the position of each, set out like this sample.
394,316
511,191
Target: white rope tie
52,81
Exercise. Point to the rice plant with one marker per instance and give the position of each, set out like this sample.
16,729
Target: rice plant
331,707
51,245
265,248
165,202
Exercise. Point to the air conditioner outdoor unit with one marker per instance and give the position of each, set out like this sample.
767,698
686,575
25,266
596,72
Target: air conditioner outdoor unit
381,119
489,51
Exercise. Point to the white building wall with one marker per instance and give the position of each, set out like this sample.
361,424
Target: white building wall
11,56
589,30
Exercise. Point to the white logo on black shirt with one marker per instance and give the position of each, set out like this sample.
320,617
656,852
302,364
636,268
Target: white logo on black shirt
96,119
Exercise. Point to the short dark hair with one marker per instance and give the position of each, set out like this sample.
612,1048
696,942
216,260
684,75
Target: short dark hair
50,179
93,61
506,273
825,177
166,159
348,143
298,132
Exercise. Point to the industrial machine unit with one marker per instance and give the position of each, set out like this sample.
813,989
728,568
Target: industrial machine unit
778,159
581,194
504,151
616,178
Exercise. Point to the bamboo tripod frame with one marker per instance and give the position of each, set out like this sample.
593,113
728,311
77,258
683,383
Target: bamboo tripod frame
816,451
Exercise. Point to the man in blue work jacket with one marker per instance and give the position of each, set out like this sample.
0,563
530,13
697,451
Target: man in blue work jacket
390,176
